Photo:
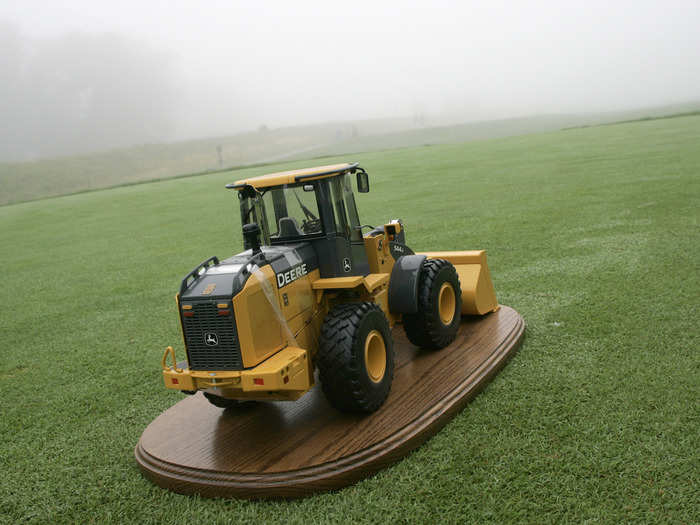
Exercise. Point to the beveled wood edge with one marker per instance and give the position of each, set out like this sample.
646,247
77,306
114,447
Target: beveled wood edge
345,471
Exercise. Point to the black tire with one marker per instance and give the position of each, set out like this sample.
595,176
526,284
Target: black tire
223,402
436,323
356,357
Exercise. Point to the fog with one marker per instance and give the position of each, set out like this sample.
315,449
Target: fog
79,76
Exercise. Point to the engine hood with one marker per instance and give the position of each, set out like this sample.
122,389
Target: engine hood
227,278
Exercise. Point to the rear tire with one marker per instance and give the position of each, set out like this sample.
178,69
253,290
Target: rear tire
436,323
356,357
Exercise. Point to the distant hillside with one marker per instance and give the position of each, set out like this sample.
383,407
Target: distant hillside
43,178
496,128
59,176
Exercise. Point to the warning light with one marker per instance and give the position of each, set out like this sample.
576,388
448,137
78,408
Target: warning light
175,381
258,381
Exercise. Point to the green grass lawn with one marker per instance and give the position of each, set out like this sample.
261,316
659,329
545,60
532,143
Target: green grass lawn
592,236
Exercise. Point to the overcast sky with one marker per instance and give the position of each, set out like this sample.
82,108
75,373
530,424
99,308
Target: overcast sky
233,66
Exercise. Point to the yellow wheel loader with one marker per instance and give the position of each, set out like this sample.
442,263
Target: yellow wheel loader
311,291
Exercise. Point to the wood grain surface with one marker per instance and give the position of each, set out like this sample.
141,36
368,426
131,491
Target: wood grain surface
292,449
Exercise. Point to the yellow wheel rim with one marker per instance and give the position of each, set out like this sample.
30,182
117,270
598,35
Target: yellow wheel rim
375,356
446,303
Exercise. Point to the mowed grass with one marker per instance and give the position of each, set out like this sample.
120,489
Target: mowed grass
592,236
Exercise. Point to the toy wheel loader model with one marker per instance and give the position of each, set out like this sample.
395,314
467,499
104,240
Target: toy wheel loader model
310,291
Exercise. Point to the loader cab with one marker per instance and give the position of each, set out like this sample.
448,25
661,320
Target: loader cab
315,206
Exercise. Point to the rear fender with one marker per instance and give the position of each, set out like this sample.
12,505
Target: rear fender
403,284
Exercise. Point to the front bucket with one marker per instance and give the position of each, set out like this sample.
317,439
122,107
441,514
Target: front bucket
478,294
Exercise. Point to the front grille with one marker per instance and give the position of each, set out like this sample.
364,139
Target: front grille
207,323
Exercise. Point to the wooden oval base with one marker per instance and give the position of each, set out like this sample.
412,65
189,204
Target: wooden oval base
292,449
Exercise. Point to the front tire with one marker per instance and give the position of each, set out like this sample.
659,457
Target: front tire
356,357
436,323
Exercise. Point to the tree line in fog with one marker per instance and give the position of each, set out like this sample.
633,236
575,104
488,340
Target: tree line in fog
81,92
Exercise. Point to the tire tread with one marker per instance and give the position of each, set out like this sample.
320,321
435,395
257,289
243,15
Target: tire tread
424,328
340,371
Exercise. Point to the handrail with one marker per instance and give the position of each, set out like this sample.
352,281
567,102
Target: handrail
195,273
170,351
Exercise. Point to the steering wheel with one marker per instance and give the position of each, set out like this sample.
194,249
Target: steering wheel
311,225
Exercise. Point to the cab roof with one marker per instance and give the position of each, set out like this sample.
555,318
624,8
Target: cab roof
290,177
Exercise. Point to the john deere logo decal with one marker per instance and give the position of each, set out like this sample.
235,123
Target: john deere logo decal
292,275
211,339
209,289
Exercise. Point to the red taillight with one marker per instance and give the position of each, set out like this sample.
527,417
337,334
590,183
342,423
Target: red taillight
286,379
258,381
175,381
224,312
188,313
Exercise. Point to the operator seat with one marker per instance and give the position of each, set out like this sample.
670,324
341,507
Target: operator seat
289,227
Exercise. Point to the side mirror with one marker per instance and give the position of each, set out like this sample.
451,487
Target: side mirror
362,182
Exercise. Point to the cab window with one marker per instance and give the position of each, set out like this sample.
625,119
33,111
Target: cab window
346,217
292,212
